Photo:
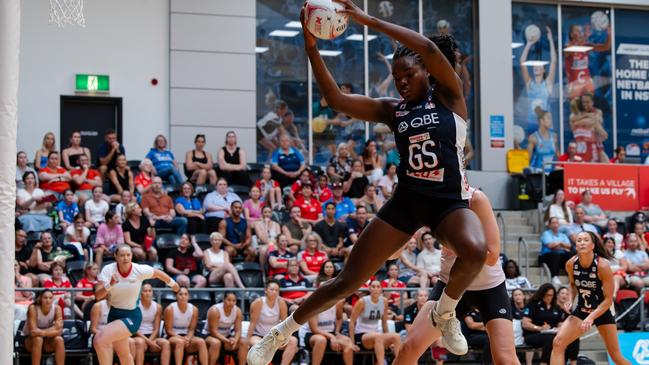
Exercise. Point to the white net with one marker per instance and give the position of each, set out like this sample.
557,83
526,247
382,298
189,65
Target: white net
67,12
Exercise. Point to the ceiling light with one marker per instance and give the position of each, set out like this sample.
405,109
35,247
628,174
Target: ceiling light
293,24
261,49
359,37
535,63
329,53
578,49
283,33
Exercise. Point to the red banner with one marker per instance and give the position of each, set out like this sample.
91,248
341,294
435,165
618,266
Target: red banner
614,187
643,172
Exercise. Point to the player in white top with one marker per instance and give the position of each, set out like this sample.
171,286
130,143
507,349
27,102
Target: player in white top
146,338
123,279
266,312
223,329
43,329
181,318
368,312
487,292
324,329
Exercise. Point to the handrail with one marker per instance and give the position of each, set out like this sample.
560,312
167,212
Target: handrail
545,270
642,309
503,235
523,242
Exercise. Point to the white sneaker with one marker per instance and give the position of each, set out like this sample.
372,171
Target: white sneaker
263,351
452,338
556,281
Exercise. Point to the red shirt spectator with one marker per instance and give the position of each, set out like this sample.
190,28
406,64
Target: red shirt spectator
309,209
84,283
314,260
395,296
56,185
92,174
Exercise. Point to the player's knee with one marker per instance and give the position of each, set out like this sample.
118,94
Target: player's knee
292,343
473,249
558,343
319,341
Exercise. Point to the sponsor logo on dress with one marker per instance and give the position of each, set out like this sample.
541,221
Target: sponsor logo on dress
402,113
419,137
435,175
502,311
403,126
426,119
402,106
592,275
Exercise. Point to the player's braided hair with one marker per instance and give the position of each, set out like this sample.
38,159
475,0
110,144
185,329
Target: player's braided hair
446,44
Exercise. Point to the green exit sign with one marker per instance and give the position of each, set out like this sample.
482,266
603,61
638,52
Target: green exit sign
93,83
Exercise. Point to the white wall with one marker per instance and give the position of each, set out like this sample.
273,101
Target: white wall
126,39
212,73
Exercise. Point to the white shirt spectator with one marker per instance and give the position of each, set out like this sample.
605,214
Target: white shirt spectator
430,261
388,184
23,194
557,211
214,198
96,211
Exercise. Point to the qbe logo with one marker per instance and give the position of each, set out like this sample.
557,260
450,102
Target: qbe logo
641,352
403,126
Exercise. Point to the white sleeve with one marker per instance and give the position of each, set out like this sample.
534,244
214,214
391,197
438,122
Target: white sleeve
144,271
106,274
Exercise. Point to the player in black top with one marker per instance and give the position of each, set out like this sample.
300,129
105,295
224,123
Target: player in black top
591,280
429,124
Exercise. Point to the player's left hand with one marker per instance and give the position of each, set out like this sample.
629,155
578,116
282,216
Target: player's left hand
586,324
353,11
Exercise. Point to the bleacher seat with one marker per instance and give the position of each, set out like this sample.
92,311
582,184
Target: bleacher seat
203,240
204,188
202,300
166,241
75,271
167,298
33,237
250,273
241,190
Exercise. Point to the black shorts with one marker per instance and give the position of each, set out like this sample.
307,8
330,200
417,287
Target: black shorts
408,210
358,340
492,303
605,318
307,344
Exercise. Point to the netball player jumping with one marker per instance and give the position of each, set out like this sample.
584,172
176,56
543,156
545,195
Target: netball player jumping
487,293
123,279
591,280
430,130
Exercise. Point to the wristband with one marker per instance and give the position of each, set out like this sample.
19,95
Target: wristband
171,282
107,287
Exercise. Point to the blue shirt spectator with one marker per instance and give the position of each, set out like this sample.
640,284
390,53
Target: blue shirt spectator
164,161
550,236
67,208
290,160
344,206
189,204
286,162
218,202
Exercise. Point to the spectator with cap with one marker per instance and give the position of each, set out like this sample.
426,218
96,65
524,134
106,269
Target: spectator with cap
345,207
159,209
